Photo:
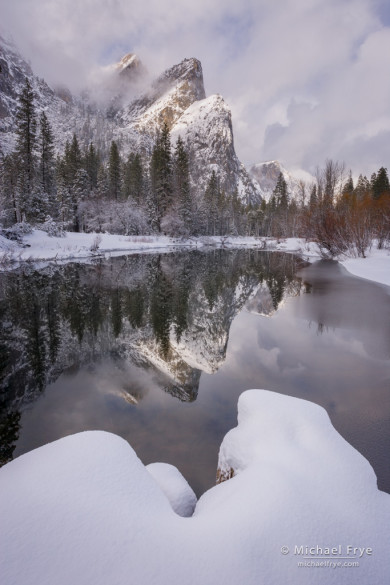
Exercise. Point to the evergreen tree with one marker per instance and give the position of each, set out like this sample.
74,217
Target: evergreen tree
92,163
135,305
280,192
212,196
161,309
73,159
26,124
182,184
348,186
10,210
236,213
80,192
363,187
161,175
116,312
46,151
133,179
280,202
102,182
380,184
73,164
63,195
114,172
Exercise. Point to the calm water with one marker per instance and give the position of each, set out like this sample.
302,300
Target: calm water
158,348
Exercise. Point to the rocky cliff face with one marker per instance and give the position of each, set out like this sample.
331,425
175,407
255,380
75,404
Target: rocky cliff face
207,126
177,98
170,95
67,113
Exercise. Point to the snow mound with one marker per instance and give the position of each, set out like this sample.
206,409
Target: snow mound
180,495
85,509
376,267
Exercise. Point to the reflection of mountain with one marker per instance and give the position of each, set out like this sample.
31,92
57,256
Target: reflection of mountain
167,315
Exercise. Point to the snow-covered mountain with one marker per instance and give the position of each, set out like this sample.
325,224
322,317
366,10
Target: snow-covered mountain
265,176
67,113
129,109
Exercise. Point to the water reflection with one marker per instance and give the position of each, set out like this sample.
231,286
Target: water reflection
341,301
161,320
158,348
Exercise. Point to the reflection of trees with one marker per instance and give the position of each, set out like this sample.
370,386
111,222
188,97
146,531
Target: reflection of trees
142,308
161,308
9,434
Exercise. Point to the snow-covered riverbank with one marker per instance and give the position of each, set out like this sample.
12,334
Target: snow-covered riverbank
375,267
40,247
302,508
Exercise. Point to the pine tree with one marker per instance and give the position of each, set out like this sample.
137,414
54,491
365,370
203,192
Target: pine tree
92,162
280,203
63,196
73,164
80,194
363,187
161,175
182,194
102,182
9,189
114,172
73,159
212,196
380,184
280,192
348,186
133,179
46,151
26,124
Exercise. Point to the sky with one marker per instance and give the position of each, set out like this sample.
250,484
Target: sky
306,80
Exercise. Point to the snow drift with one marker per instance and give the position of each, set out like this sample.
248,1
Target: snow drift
85,509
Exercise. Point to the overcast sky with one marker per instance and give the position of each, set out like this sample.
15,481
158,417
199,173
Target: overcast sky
306,79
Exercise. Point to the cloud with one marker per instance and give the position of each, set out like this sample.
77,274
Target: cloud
306,79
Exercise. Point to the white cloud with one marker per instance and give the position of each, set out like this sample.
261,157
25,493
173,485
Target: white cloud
306,79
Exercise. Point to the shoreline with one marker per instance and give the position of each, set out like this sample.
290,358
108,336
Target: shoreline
39,247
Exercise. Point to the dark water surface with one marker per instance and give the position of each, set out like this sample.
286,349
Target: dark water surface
158,348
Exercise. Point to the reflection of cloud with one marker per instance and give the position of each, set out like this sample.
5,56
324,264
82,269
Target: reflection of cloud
269,357
298,76
272,359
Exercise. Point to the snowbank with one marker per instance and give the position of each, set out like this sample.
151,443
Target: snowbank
180,495
375,267
85,510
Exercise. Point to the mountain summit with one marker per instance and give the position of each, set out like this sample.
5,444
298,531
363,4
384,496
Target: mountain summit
131,112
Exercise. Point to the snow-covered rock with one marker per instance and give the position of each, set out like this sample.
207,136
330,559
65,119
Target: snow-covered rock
265,176
180,495
302,508
206,125
171,94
